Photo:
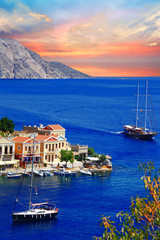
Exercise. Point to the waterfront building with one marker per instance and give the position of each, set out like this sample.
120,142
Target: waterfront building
47,130
81,151
7,151
55,129
24,150
50,148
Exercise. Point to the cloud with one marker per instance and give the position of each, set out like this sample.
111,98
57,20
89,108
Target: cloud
118,26
41,17
20,18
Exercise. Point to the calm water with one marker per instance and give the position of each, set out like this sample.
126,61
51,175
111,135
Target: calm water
93,111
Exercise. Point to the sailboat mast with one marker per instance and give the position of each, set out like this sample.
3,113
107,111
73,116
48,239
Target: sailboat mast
137,105
30,203
145,123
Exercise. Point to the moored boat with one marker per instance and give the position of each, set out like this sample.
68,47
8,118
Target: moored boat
47,173
39,211
13,175
64,172
38,173
87,172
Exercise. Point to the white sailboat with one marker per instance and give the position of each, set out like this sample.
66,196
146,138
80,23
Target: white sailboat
37,211
136,130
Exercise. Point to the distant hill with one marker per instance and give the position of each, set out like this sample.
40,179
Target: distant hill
18,62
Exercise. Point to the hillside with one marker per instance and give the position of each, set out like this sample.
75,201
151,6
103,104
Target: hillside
18,62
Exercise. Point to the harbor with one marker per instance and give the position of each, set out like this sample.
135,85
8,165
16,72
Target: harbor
82,199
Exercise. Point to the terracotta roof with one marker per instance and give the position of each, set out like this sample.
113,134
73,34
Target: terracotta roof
54,127
20,139
51,137
23,139
41,137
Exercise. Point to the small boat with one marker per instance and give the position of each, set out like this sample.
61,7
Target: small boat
35,211
26,174
38,173
38,211
137,131
87,172
47,173
13,175
65,172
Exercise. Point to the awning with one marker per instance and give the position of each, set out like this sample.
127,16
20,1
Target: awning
13,162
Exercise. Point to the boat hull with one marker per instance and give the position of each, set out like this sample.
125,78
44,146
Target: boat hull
33,217
13,176
139,134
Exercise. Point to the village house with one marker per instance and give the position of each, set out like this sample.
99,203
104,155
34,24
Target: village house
81,151
7,151
41,130
50,148
24,150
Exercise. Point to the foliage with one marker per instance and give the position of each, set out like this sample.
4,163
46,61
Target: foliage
72,160
95,155
67,156
90,151
7,125
102,157
143,220
78,157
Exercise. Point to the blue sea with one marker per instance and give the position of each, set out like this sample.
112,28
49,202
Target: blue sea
93,112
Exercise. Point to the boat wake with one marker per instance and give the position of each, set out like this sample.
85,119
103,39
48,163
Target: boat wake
116,132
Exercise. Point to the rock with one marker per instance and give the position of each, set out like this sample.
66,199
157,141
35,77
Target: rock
18,62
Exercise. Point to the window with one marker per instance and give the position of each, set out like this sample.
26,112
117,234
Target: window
19,147
56,145
36,148
59,145
52,158
63,144
46,146
49,147
0,149
25,148
45,157
49,158
6,150
52,147
55,156
11,149
29,149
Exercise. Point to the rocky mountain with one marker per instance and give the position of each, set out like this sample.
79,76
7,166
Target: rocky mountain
18,62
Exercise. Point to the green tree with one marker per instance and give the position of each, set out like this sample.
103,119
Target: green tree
90,151
102,157
67,156
7,125
143,220
95,155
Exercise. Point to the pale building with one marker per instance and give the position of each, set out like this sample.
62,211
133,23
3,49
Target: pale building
7,151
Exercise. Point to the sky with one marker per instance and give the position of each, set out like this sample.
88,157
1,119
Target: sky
97,37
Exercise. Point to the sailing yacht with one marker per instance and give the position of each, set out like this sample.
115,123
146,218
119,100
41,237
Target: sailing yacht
136,130
37,211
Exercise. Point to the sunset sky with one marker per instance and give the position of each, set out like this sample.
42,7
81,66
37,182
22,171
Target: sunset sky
97,37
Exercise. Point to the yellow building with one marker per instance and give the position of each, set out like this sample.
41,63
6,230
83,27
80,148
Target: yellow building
50,148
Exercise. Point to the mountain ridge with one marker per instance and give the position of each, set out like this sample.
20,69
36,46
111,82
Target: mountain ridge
19,62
